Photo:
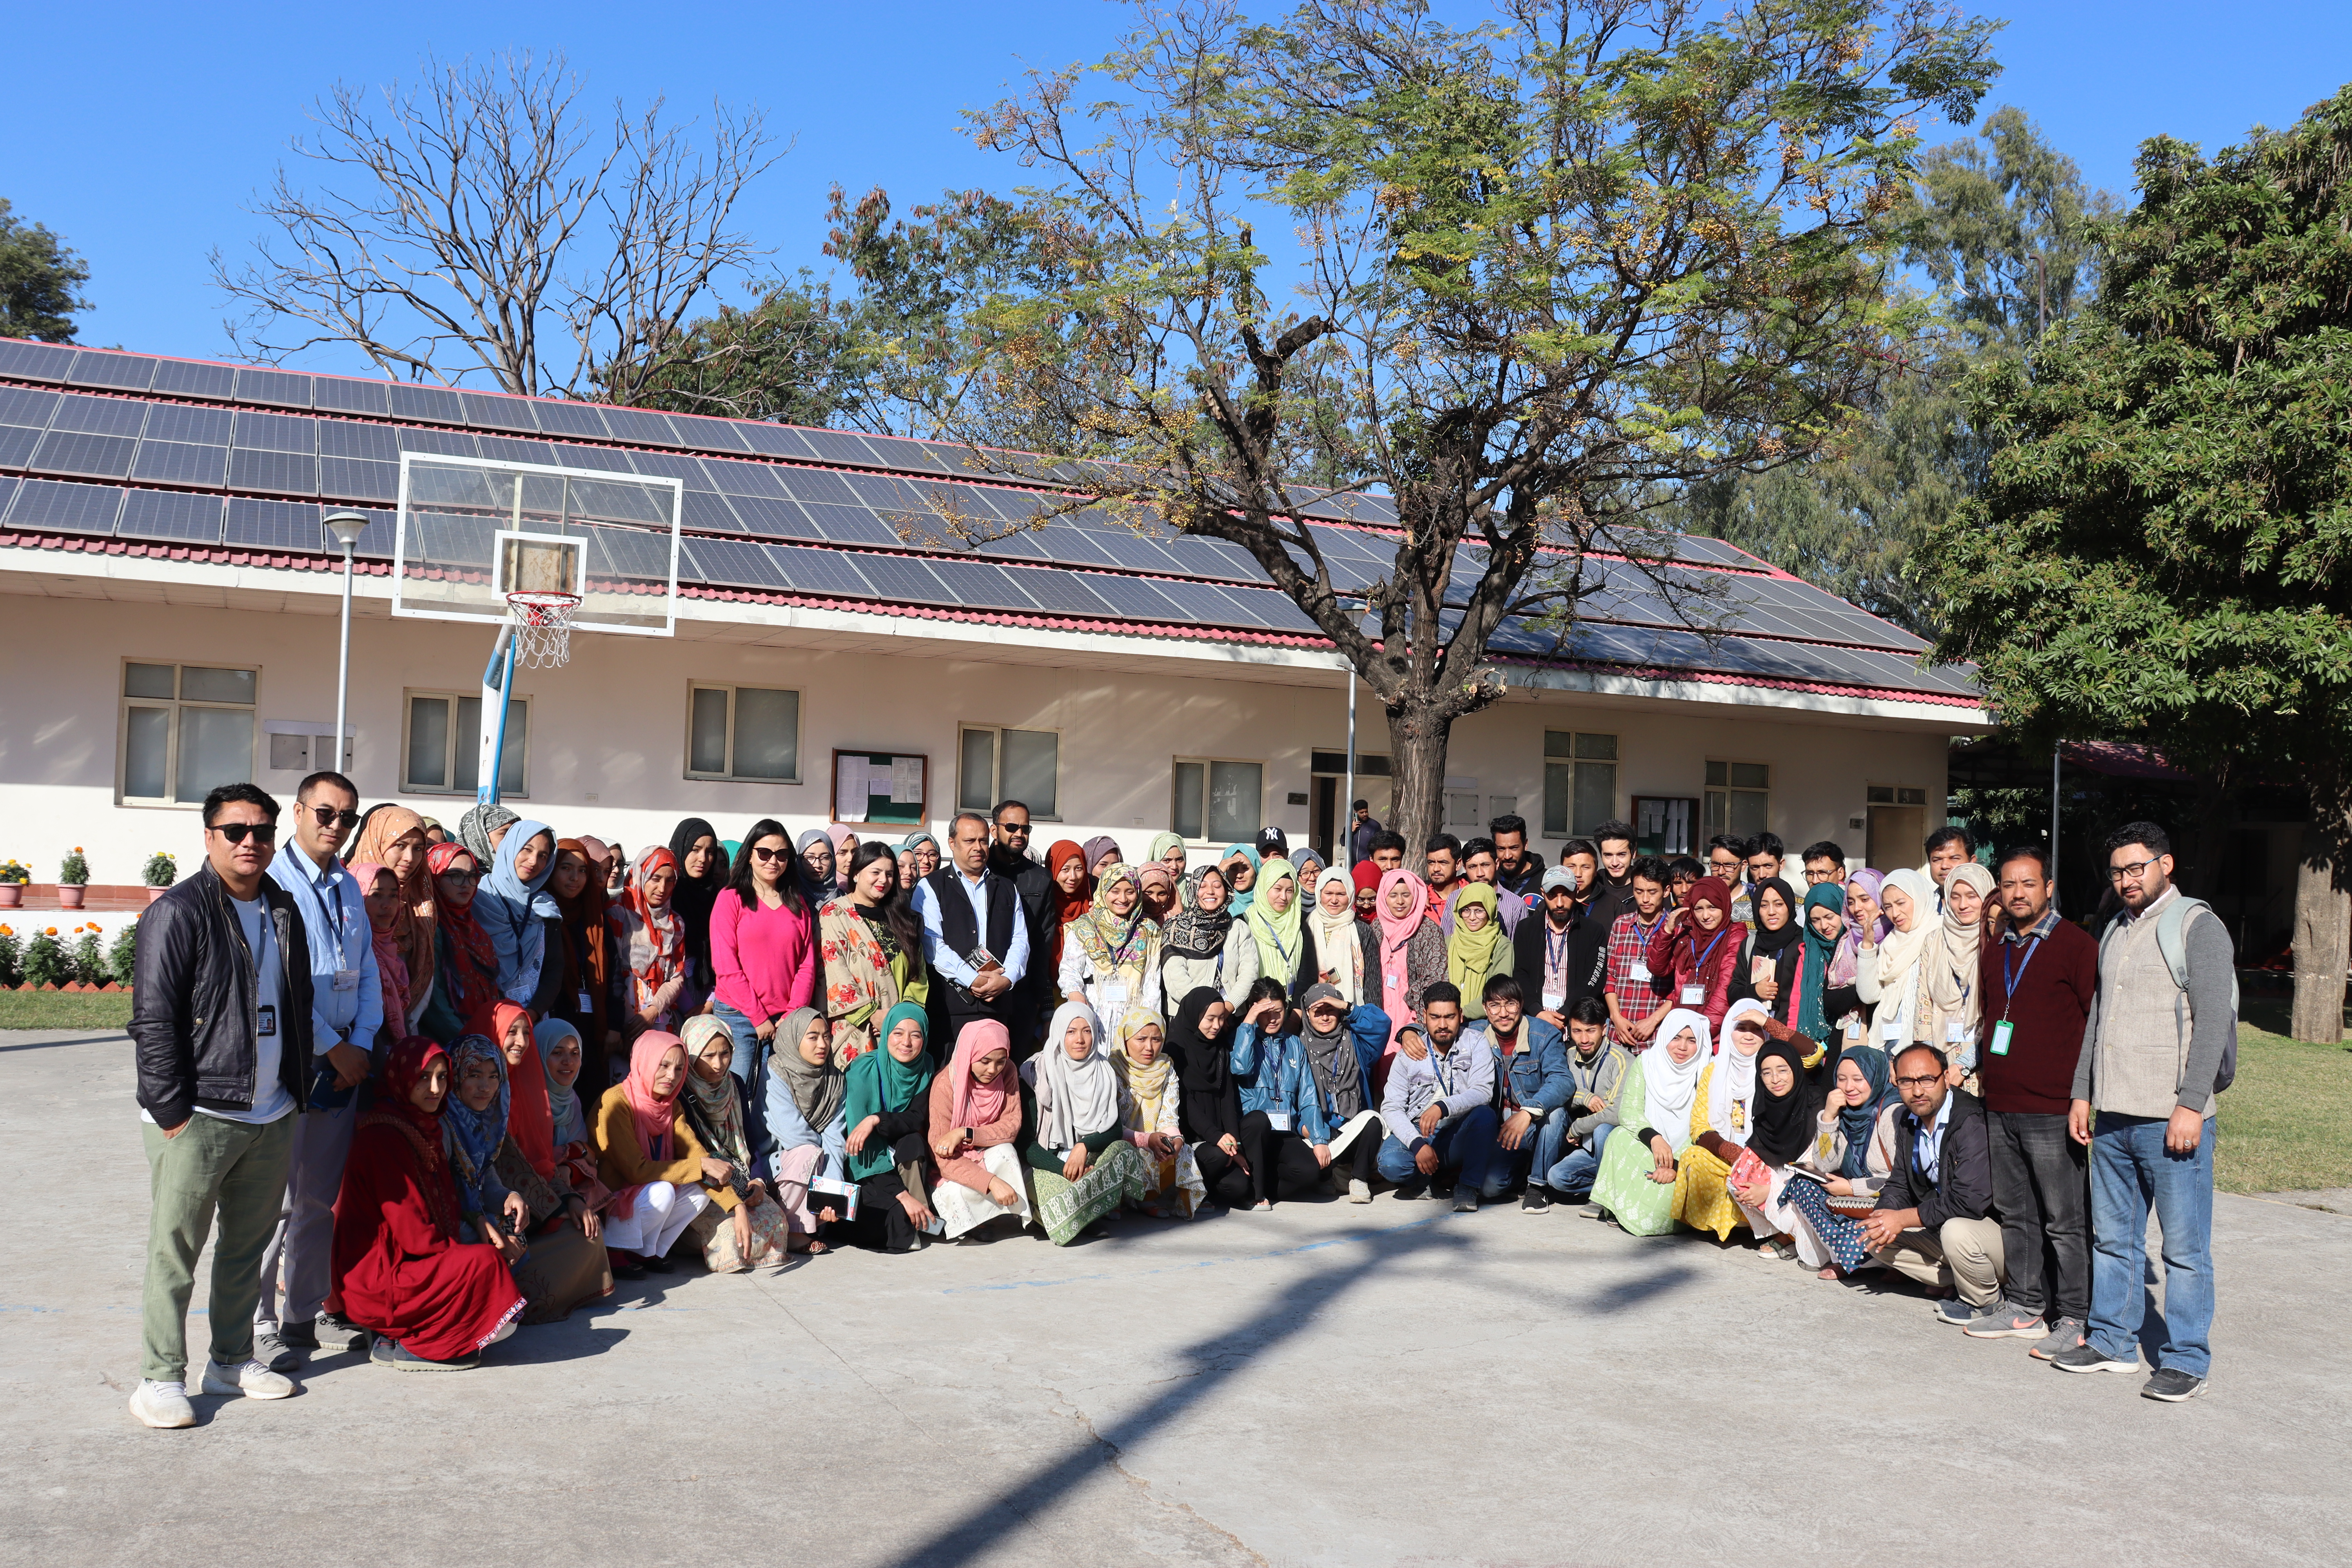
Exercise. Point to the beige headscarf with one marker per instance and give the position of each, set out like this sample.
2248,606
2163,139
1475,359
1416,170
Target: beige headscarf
412,927
1147,1087
1338,950
1951,960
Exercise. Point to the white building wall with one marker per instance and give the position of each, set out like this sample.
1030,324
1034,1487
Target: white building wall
609,732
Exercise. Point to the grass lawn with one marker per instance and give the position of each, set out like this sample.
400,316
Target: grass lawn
64,1010
2282,1122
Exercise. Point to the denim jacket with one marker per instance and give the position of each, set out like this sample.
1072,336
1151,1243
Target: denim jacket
1535,1077
1274,1078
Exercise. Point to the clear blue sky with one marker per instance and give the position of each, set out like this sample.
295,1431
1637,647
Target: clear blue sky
142,146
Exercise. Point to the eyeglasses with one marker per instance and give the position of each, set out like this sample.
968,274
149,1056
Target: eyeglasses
328,817
2131,873
1815,878
1919,1082
235,832
461,877
764,855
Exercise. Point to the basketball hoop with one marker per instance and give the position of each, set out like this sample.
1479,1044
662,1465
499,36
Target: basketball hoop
542,628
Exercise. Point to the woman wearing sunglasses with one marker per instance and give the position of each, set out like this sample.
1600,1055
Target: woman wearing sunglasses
763,952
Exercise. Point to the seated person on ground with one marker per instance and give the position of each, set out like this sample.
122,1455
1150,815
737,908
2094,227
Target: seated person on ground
1786,1108
1439,1106
888,1109
1721,1119
745,1227
1531,1089
649,1157
1282,1117
1342,1045
562,1265
975,1117
1171,1179
1210,1113
807,1128
1082,1166
1854,1149
1934,1220
1598,1071
1637,1180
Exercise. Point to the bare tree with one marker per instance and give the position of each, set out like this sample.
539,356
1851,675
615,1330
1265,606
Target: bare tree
485,223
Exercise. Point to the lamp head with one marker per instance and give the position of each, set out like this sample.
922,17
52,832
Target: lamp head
346,526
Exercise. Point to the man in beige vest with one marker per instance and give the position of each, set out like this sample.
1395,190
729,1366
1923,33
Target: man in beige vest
2145,1087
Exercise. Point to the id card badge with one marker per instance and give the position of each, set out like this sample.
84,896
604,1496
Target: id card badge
347,979
587,1004
1639,971
1113,998
1891,1028
1853,1031
2001,1032
267,1016
1694,995
1278,1120
1952,1031
1553,1001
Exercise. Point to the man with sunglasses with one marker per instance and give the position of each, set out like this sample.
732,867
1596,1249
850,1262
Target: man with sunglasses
1934,1221
1009,858
346,1009
220,1035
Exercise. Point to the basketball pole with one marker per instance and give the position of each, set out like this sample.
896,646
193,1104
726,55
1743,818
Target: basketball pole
497,684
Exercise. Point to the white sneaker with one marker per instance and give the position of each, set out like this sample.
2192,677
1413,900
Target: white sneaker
1359,1192
163,1404
508,1328
252,1379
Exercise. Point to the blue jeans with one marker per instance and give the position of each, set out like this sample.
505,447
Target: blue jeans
749,1061
1465,1145
2129,1171
1572,1177
1538,1153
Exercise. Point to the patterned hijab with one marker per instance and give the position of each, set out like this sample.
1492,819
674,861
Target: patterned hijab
1198,932
464,931
714,1111
665,933
473,1136
1113,942
474,830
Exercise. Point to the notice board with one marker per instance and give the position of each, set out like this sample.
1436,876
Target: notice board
881,787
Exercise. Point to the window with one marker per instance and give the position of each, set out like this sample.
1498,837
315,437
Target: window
1217,802
743,732
1010,764
443,749
185,728
1579,782
1891,794
1738,798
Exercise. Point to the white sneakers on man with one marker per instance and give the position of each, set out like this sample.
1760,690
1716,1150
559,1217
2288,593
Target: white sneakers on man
251,1379
163,1404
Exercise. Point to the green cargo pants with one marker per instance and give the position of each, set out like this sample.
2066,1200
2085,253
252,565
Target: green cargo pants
212,1164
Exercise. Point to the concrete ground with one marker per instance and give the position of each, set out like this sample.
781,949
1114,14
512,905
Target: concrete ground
1322,1384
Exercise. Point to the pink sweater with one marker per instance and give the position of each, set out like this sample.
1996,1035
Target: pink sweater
765,959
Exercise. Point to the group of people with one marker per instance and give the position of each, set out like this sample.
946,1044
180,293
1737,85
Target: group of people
437,1086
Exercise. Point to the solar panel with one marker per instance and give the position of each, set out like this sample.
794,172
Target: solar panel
1020,545
978,585
708,512
818,485
851,525
277,432
628,553
345,395
840,447
98,416
1275,608
1128,549
1135,598
641,426
26,406
179,463
710,435
742,479
16,444
356,479
884,492
439,539
732,560
436,405
774,518
1208,558
955,457
827,571
1062,592
184,378
442,443
375,539
899,577
52,503
1064,541
76,452
507,449
266,524
127,372
775,440
337,438
286,473
181,422
169,514
497,411
282,388
35,362
669,466
1202,602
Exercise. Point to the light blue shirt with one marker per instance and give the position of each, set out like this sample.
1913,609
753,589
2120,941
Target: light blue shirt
1928,1150
346,995
941,959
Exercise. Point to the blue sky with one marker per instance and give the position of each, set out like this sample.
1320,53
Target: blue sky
144,159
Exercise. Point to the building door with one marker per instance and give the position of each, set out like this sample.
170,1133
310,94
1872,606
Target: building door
1896,835
1323,826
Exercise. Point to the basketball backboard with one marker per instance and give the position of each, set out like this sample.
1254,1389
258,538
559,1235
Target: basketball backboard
472,531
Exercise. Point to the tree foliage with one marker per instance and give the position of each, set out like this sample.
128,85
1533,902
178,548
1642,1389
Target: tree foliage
40,282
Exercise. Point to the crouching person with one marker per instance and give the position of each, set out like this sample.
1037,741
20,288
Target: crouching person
1597,1071
1934,1220
1531,1089
1439,1106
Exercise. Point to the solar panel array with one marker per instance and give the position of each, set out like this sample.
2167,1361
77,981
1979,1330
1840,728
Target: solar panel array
144,448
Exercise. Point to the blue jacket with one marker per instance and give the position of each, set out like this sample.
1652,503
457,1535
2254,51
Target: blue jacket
1368,1028
1537,1073
1274,1077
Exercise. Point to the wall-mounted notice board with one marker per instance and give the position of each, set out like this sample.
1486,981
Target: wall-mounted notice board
881,787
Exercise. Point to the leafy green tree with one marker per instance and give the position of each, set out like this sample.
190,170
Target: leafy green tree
40,282
2160,554
1550,268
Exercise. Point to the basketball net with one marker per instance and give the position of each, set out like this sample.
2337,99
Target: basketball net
542,628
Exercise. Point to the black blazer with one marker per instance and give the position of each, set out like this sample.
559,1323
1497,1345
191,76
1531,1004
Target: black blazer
1963,1188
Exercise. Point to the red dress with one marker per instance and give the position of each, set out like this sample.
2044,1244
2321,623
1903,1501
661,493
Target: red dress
399,1267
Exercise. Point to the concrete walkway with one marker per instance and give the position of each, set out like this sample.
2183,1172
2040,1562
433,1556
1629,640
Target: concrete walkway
1322,1384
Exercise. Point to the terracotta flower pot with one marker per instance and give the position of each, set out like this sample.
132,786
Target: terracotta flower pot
155,893
69,895
12,895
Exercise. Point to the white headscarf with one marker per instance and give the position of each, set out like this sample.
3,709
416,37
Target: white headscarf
1899,952
1950,966
1074,1099
1668,1087
1338,950
1734,1083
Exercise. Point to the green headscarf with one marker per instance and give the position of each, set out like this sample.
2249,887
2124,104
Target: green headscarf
1819,954
1277,934
1470,954
886,1085
1238,903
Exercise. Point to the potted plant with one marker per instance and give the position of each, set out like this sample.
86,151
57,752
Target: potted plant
160,872
13,878
73,879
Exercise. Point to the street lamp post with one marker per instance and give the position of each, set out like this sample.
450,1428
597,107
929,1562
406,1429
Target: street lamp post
347,527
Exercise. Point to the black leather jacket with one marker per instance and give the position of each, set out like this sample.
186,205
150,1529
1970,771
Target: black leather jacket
193,1023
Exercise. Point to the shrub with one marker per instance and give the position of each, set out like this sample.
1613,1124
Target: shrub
123,955
160,870
88,964
11,957
15,872
45,961
73,871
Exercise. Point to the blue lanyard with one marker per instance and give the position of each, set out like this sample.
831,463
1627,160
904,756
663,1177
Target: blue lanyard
1700,968
2008,980
1555,953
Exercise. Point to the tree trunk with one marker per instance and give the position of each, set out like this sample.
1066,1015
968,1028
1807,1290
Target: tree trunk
2323,915
1418,736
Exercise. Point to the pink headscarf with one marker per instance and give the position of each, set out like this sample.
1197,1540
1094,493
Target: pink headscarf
978,1104
656,1116
1396,936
